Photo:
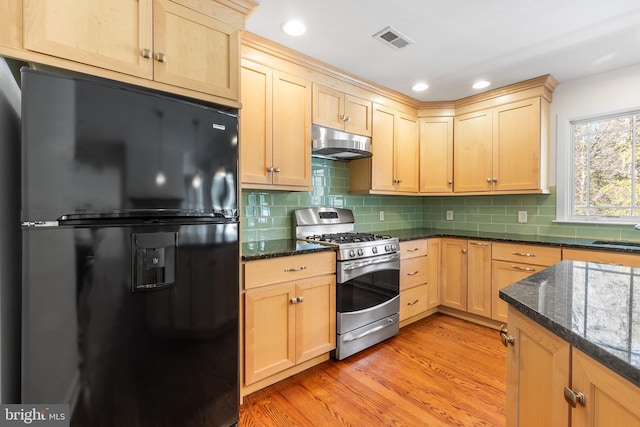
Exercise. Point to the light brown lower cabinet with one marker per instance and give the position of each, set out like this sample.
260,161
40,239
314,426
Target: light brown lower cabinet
512,262
290,322
540,365
605,257
419,278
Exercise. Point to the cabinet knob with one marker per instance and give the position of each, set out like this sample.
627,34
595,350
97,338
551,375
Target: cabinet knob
300,299
293,300
146,53
505,337
494,179
450,182
464,251
161,57
574,397
269,168
276,170
488,179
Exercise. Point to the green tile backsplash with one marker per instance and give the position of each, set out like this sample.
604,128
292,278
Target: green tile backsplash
268,215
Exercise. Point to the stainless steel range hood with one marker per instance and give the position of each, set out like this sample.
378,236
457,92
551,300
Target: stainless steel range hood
337,145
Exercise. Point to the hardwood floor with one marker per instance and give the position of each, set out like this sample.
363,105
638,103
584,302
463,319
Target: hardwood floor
439,371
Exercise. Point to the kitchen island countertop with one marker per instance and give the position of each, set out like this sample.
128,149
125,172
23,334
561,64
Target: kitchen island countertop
594,307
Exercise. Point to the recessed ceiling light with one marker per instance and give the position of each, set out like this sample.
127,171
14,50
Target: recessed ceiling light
419,87
294,28
481,84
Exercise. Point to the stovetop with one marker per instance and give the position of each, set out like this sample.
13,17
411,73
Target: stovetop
335,227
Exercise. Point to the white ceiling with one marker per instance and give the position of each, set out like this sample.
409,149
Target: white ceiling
458,42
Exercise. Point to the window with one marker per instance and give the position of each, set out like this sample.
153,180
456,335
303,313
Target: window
603,170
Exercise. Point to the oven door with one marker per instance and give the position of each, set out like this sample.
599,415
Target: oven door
365,286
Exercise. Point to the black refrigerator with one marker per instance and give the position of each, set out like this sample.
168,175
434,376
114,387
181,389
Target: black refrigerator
130,254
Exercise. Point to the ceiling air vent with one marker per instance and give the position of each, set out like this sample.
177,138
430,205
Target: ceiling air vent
393,38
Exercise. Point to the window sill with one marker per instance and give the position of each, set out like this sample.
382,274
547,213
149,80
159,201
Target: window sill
597,222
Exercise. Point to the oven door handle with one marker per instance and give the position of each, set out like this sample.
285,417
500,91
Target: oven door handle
379,260
349,337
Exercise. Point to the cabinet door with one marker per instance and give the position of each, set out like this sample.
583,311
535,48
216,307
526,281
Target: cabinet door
357,113
436,155
472,152
11,28
516,146
610,400
413,272
504,274
406,153
269,345
328,107
537,372
479,278
383,160
291,130
433,272
201,53
107,34
315,317
255,124
453,292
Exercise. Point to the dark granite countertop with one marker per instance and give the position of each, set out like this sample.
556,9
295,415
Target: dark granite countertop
563,242
276,248
594,307
285,247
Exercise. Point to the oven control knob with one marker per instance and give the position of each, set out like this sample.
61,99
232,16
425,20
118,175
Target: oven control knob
393,247
374,249
360,252
387,248
352,253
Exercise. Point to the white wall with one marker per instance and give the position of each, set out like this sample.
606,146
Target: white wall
601,94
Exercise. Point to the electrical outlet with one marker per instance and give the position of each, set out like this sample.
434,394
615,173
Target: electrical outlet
449,215
381,215
522,217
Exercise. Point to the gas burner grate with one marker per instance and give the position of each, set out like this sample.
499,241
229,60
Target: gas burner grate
347,237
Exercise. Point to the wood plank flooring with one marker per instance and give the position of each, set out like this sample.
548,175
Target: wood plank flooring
439,371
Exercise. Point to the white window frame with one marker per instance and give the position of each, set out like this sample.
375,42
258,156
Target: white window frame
565,171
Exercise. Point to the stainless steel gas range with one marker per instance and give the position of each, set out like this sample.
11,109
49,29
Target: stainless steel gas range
367,277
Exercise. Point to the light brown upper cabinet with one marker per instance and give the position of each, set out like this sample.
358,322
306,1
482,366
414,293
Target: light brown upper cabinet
393,168
436,155
502,149
338,110
275,129
179,43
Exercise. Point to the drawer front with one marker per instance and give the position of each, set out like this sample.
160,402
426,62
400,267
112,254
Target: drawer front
413,302
527,254
284,269
605,257
413,248
413,272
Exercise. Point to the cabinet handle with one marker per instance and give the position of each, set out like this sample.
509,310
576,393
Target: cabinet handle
161,57
517,267
295,269
146,53
276,170
505,337
413,302
269,168
484,245
464,251
347,119
574,397
523,254
488,179
412,274
300,299
494,179
413,249
450,182
293,300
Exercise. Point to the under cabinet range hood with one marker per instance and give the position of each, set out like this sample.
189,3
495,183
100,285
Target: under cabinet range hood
337,145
